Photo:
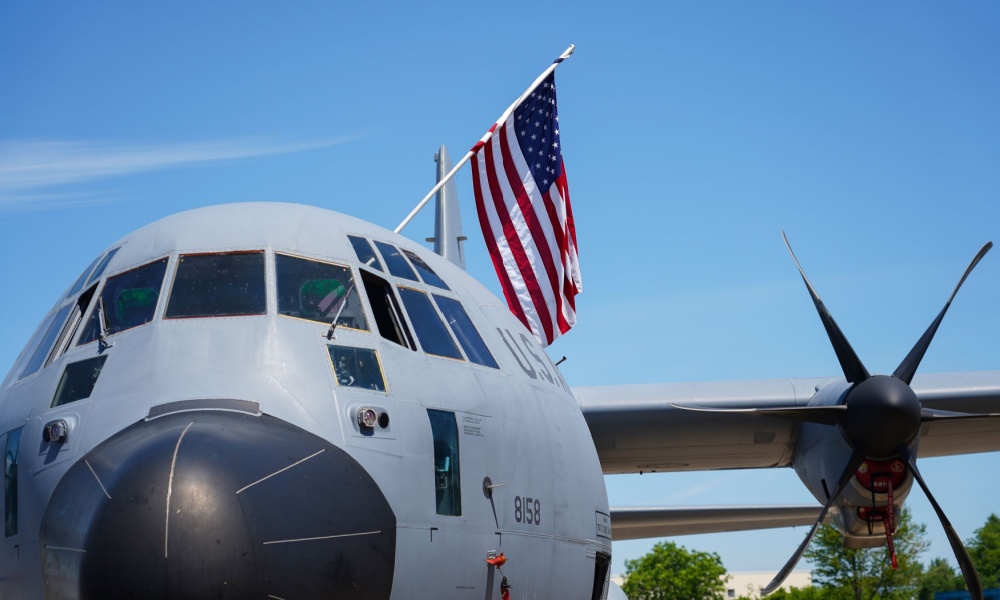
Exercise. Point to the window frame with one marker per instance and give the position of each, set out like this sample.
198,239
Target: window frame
454,467
356,292
97,361
423,269
91,314
398,259
393,310
378,362
177,266
459,356
355,240
438,299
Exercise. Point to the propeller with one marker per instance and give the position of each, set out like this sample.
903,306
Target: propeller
880,417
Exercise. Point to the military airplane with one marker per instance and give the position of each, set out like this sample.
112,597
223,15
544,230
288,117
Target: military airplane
280,401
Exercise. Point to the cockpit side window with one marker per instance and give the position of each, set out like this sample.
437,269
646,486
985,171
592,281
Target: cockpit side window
466,332
104,265
52,329
101,262
78,380
431,331
72,324
357,367
218,285
128,300
426,273
318,291
78,284
396,261
388,317
447,476
365,253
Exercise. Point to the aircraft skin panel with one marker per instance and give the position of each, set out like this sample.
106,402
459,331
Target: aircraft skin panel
635,428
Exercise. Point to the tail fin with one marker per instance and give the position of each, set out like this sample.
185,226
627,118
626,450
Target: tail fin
448,239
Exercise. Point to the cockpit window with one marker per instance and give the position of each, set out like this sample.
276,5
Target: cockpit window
103,265
318,291
52,328
101,262
365,253
357,367
447,475
72,324
218,285
426,273
78,284
78,380
396,262
388,317
466,332
431,331
128,300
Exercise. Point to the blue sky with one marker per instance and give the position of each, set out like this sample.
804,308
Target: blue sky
693,134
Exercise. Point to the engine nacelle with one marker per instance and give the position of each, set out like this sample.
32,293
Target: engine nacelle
822,452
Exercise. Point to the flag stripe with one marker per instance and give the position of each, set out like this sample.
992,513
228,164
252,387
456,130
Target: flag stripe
519,268
543,269
492,246
522,199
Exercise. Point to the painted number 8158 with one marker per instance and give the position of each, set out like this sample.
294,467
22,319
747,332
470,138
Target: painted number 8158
527,510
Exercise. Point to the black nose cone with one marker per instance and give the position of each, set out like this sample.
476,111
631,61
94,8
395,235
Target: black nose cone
213,504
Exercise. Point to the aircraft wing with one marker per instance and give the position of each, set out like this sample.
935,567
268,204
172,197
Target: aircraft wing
635,428
634,523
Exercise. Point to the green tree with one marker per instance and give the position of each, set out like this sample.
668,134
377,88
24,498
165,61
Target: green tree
806,593
939,577
984,548
671,572
866,573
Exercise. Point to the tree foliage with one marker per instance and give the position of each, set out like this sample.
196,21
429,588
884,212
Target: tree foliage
939,577
805,593
866,573
671,572
984,548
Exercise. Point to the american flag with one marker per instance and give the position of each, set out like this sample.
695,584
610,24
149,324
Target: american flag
523,203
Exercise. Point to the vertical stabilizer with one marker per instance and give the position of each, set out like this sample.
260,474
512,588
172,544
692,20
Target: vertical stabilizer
448,239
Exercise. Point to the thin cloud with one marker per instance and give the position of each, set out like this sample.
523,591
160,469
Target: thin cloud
30,169
34,202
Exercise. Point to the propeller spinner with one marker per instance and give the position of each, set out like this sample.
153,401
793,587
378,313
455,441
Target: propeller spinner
880,417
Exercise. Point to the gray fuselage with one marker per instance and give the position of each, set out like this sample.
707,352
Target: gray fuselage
186,424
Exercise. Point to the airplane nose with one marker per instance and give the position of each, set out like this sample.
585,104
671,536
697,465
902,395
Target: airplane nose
215,504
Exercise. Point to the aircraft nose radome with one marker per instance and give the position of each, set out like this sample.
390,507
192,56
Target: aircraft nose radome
212,504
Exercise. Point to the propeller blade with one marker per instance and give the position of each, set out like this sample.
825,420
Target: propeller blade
961,554
908,368
852,466
854,369
825,415
932,414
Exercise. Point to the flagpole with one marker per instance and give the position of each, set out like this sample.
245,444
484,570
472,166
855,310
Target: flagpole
482,141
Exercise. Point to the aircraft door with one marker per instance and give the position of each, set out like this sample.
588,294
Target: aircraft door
602,576
9,551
